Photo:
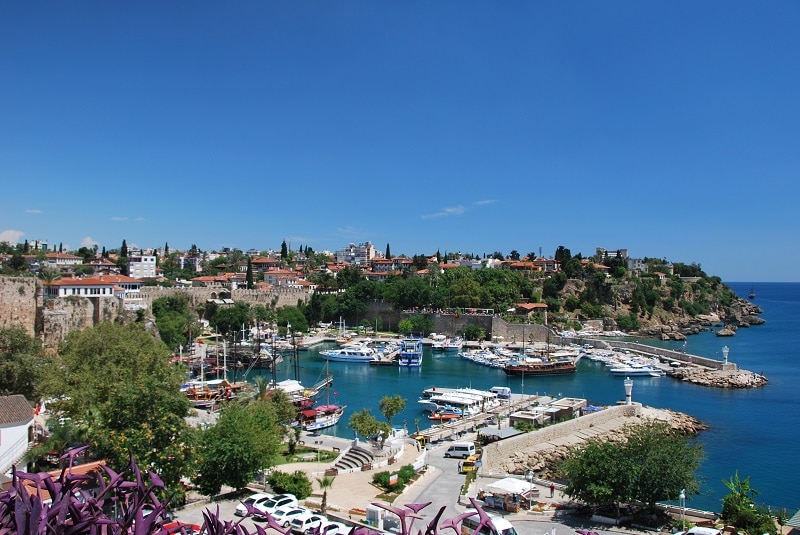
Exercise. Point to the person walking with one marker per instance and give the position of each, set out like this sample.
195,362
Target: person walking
552,490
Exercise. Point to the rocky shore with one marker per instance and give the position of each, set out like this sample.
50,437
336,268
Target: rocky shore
741,314
543,460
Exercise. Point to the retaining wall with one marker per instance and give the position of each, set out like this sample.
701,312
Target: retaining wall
498,451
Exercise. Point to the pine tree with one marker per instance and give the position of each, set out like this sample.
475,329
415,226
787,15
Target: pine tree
166,249
61,247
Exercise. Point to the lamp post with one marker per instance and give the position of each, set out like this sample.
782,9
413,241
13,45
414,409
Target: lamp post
529,477
683,509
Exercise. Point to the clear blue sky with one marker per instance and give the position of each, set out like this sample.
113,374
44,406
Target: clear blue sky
667,128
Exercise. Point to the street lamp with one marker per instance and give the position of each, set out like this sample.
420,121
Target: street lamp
683,509
529,477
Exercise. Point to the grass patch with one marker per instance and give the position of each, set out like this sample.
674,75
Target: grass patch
306,454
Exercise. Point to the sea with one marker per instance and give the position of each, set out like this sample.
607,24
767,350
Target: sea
751,431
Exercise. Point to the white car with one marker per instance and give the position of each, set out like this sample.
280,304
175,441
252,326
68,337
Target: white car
334,528
280,501
254,500
283,517
306,523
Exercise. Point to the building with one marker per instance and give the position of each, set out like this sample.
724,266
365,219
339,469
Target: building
16,430
126,288
142,266
359,255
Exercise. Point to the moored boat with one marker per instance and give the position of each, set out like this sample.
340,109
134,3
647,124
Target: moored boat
410,354
350,353
537,366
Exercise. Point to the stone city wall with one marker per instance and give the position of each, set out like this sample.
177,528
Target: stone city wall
18,303
497,452
197,296
63,315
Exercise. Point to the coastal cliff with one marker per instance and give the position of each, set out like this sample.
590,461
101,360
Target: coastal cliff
667,310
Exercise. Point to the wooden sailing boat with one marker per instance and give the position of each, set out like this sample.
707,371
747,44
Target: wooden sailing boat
321,416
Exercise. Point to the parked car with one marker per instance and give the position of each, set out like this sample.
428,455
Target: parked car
334,528
254,500
284,516
279,501
307,522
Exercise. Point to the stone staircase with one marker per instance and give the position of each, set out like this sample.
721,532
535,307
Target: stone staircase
355,457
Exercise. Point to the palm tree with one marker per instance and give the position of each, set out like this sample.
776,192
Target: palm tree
325,483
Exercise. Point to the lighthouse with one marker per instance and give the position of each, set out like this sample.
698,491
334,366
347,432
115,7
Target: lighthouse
628,389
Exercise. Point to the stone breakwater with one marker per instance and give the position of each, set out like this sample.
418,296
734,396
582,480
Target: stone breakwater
542,450
718,378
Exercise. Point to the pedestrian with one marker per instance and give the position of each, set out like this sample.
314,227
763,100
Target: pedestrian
460,466
552,490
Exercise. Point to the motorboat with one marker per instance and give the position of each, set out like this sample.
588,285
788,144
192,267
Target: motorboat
350,353
410,354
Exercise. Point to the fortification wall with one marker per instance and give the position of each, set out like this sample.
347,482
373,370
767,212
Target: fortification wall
62,316
498,452
196,296
18,303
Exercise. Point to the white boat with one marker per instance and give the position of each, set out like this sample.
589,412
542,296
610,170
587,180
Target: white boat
454,344
350,353
634,370
410,354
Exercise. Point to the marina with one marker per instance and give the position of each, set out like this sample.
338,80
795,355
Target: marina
736,418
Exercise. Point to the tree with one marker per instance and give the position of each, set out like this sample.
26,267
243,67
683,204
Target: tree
140,417
174,319
249,274
231,318
739,508
365,424
284,251
391,406
653,463
245,440
118,382
23,363
388,252
296,483
123,251
326,482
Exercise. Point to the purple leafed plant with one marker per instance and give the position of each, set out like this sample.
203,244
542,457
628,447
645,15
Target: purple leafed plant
103,502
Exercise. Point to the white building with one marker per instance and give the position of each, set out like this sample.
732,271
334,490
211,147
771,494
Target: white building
360,255
126,288
16,429
142,266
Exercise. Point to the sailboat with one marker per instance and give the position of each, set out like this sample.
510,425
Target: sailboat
321,416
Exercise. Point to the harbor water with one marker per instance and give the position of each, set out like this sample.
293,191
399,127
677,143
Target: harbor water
751,431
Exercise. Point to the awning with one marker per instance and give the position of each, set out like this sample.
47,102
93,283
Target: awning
510,485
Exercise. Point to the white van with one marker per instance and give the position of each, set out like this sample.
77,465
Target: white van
461,450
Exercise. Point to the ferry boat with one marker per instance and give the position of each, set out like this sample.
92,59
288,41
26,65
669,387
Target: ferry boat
410,354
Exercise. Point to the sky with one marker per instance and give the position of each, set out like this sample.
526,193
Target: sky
668,128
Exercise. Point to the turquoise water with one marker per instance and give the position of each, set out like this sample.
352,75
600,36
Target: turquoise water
752,431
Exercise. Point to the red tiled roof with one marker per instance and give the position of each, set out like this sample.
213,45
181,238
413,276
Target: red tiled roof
15,410
100,280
